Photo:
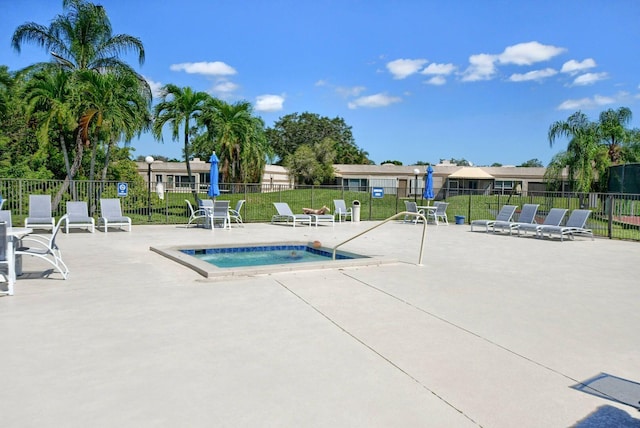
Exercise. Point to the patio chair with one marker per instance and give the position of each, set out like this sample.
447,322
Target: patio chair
220,212
5,216
285,214
527,216
40,213
78,216
505,215
412,207
439,213
45,248
4,256
341,210
111,215
234,214
196,216
575,226
554,218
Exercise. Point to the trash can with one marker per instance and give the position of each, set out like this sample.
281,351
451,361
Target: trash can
459,219
355,211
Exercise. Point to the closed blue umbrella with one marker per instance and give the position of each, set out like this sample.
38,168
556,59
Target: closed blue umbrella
214,190
428,187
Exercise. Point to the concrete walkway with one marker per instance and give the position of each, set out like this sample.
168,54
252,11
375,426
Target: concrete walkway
492,331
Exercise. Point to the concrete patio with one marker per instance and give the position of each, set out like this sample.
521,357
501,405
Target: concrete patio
491,331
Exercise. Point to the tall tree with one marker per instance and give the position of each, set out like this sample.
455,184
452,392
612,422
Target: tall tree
178,107
613,132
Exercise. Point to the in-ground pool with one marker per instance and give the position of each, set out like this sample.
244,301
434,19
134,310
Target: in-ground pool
263,258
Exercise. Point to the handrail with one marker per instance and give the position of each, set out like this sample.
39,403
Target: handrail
424,232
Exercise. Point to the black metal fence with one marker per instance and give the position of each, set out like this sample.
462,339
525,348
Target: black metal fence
615,215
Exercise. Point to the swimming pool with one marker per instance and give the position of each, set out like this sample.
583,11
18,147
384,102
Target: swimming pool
263,258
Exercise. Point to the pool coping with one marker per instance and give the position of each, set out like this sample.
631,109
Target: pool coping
210,271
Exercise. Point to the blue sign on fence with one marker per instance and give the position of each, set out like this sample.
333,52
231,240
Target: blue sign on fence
377,192
123,189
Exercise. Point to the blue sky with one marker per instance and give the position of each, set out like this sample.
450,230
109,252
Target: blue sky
417,80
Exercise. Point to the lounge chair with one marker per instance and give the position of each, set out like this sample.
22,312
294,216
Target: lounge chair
111,215
342,211
234,214
527,216
554,218
575,226
40,213
195,216
4,256
78,216
45,248
285,214
412,207
439,213
505,215
5,216
220,213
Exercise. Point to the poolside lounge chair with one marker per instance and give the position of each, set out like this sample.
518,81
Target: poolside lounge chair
412,207
234,214
285,214
341,210
111,215
575,226
45,248
4,260
527,216
439,213
554,218
195,216
505,214
220,213
78,216
40,213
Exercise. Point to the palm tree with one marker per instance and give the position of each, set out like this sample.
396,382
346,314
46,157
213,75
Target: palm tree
81,39
178,106
613,132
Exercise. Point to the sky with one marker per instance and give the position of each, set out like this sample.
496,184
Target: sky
417,80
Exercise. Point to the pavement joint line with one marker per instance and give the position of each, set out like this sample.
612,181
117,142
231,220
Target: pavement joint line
524,357
357,339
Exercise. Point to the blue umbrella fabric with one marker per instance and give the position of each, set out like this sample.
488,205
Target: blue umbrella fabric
214,189
428,188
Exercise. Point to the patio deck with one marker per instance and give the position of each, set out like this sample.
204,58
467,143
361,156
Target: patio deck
492,331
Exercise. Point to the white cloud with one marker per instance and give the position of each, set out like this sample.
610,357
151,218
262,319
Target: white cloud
528,53
586,103
155,87
352,91
537,75
215,68
436,80
439,69
481,67
224,86
589,79
402,68
574,67
321,82
269,103
373,101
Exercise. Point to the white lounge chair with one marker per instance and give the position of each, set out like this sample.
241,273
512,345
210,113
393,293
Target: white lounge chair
111,215
78,216
527,216
342,211
195,216
234,214
285,214
554,218
504,215
4,257
412,207
40,213
575,226
45,248
439,213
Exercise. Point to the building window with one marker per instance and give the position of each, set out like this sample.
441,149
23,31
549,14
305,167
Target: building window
355,184
183,181
502,186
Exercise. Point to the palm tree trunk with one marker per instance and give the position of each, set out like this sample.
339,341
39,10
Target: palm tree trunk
186,160
77,161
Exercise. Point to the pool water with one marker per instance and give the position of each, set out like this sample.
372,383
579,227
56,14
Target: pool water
263,255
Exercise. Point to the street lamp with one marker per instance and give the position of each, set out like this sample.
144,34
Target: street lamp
149,161
415,194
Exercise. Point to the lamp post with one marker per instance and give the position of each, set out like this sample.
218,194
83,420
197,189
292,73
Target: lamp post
415,194
149,161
